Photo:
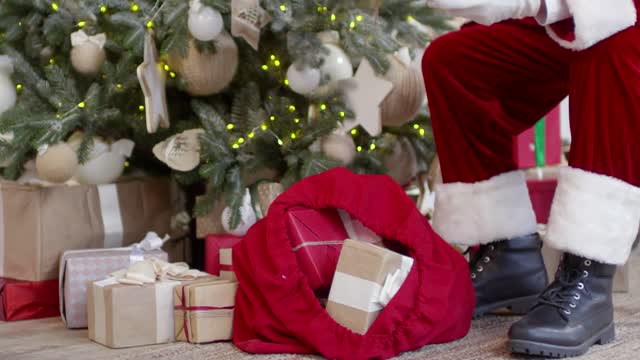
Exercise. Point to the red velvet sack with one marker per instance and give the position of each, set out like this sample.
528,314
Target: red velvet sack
25,300
277,311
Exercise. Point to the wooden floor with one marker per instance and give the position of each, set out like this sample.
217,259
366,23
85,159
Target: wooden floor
48,339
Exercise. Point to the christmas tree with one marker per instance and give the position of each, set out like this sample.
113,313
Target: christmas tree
225,92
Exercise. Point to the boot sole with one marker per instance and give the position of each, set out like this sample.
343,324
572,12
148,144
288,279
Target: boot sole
605,336
518,306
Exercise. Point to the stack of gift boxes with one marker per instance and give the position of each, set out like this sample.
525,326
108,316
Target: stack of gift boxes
82,253
39,223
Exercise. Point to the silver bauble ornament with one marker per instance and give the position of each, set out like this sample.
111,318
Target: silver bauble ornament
303,81
336,64
207,73
7,89
205,23
56,163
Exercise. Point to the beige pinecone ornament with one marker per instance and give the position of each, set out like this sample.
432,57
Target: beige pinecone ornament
402,164
207,73
407,97
340,147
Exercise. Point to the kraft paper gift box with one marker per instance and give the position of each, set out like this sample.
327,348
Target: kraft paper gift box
122,316
37,224
204,311
317,237
27,300
226,265
78,268
366,279
218,255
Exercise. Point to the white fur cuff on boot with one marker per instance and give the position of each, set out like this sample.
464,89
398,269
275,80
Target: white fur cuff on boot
594,216
484,212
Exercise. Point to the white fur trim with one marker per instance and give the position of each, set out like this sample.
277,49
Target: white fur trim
594,216
596,20
484,212
552,11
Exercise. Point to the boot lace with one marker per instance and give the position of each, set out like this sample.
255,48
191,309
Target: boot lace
564,292
479,258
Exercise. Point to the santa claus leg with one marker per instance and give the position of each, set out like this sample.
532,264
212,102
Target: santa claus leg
596,210
485,85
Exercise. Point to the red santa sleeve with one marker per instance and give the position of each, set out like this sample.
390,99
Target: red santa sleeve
591,22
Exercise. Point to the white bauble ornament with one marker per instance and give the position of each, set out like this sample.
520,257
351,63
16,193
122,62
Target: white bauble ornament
87,54
340,147
407,97
205,23
56,163
303,81
247,217
7,89
105,163
402,164
336,64
206,73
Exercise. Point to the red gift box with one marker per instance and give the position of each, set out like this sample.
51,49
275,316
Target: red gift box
25,300
212,246
317,237
541,145
541,193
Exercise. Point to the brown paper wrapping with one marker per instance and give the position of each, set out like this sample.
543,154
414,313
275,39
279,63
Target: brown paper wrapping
122,316
366,262
226,264
204,311
37,224
267,194
210,223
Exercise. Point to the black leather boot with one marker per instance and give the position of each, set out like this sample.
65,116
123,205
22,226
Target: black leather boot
574,313
508,274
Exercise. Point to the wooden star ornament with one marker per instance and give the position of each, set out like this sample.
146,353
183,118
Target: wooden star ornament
247,20
364,94
152,82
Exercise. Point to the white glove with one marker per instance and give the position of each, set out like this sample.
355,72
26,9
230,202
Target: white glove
487,12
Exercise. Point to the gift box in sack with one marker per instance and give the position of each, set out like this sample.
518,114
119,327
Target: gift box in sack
366,279
317,237
27,300
37,224
79,268
204,311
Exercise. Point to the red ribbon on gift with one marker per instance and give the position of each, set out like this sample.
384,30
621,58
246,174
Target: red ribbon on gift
185,308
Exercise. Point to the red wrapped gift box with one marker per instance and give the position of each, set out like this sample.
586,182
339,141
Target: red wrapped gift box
541,145
541,193
25,300
317,237
212,246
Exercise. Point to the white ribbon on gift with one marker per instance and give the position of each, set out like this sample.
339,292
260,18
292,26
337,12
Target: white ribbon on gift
152,270
111,215
357,230
366,295
80,37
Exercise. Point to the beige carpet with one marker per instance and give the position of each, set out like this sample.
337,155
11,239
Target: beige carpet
48,339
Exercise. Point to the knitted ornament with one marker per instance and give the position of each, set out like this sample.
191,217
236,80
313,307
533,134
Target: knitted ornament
207,73
56,163
407,96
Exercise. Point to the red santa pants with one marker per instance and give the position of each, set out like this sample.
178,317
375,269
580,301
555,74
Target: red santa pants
487,84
